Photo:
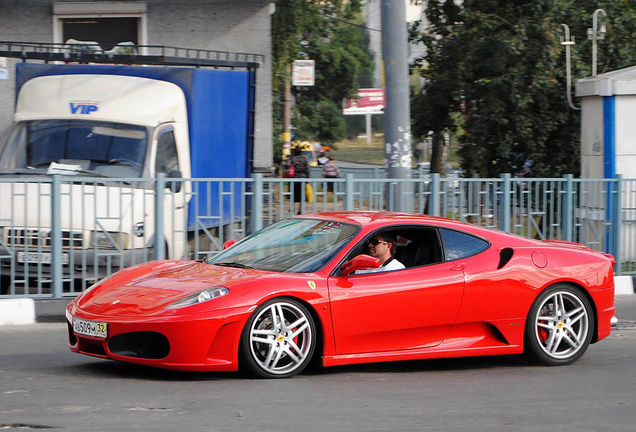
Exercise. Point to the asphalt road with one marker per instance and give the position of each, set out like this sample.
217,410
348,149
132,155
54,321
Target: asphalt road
44,385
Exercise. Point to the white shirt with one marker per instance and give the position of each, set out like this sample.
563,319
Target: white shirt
389,265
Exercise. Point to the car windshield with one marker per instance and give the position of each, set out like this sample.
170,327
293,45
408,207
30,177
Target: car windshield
73,146
291,245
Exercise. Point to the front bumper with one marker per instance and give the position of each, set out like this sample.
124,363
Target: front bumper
90,264
183,342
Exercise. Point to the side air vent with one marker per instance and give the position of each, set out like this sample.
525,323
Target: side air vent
504,257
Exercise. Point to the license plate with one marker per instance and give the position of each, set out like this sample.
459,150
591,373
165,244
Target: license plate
39,257
96,329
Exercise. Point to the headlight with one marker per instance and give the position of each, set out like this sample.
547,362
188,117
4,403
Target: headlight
139,229
109,240
200,297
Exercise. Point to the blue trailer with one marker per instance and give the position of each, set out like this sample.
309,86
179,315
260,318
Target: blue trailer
123,121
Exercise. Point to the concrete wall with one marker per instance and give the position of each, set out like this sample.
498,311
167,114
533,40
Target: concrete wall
592,138
225,25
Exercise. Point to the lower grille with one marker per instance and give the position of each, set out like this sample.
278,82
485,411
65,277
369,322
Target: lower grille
148,345
42,238
91,347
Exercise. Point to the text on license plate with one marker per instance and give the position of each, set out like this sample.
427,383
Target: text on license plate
97,329
39,257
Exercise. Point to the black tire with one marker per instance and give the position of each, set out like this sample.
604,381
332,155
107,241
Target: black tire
559,326
278,340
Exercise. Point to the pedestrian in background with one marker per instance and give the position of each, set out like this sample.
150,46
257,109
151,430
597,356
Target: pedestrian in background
301,170
323,159
330,170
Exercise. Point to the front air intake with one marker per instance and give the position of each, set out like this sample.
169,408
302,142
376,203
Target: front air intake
147,345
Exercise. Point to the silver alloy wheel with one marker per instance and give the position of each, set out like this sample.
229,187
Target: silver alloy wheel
281,338
562,325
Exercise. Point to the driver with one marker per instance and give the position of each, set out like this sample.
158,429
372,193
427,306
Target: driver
382,247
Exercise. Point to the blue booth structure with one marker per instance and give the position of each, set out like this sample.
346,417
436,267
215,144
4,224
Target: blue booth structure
608,148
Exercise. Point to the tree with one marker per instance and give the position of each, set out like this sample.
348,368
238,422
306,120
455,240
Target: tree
509,78
440,95
331,33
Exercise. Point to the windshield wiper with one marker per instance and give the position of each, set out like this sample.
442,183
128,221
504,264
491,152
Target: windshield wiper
23,172
90,173
93,174
233,264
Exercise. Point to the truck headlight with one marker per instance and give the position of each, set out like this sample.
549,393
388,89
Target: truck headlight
139,229
109,240
200,297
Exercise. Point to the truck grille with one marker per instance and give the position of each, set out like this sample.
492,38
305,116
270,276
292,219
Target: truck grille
35,238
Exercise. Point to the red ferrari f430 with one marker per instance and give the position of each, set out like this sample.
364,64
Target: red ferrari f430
316,287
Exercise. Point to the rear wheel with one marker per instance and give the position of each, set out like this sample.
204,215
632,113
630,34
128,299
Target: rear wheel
559,326
278,340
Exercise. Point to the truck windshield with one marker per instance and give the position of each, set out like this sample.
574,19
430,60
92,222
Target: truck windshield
104,148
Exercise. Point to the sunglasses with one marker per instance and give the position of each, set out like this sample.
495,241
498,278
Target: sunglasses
375,242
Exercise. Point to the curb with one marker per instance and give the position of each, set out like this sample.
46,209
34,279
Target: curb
16,311
624,285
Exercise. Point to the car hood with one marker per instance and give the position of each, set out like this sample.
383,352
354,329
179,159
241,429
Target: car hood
151,287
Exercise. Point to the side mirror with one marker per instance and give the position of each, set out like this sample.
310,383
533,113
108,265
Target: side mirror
228,244
360,262
174,186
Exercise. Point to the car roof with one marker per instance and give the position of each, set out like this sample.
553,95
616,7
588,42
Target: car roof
376,219
364,218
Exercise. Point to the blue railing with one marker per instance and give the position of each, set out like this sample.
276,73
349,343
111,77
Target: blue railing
60,234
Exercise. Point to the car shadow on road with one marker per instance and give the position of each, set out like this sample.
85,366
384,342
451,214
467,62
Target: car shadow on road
431,365
111,369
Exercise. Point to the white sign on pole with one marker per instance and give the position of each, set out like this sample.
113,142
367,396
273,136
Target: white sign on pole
303,73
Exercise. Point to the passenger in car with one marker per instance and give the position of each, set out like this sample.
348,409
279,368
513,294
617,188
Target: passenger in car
382,247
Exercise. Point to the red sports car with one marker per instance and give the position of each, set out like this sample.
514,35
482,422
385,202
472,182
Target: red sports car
312,288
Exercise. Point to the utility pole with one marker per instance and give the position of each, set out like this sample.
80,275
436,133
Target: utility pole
397,116
287,115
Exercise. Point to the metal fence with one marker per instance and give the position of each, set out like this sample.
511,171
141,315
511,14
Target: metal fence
60,234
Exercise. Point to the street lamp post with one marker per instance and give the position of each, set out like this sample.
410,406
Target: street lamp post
595,34
568,42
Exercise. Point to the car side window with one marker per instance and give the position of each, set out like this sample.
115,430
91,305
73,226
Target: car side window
167,159
461,245
416,246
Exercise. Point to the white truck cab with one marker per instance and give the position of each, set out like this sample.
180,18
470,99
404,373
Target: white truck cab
105,132
98,127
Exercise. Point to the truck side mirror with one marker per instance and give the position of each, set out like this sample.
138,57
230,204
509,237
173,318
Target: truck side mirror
360,262
174,186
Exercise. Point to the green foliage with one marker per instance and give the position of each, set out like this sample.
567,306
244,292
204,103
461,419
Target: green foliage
321,31
500,63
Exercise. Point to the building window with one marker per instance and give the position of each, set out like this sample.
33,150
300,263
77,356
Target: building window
107,32
106,23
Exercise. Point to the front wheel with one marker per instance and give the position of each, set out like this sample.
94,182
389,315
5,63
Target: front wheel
278,340
559,326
